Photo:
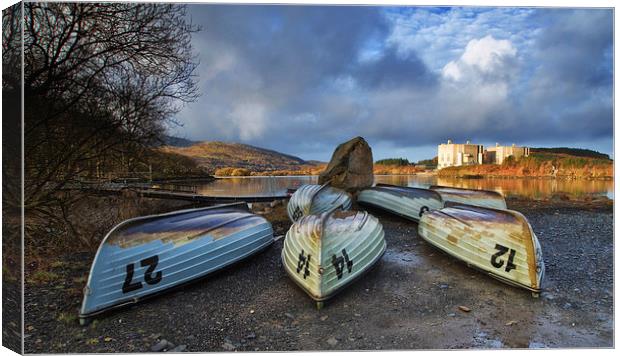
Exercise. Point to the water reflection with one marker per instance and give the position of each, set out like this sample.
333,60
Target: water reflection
253,186
525,188
528,188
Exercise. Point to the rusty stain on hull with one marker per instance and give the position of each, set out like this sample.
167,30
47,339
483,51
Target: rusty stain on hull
217,224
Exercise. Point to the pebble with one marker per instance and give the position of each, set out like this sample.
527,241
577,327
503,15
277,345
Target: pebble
160,346
464,308
251,336
548,296
228,346
179,348
332,341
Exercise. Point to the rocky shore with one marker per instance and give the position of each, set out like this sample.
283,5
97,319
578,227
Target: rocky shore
416,298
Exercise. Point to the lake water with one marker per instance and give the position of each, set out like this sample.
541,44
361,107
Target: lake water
529,188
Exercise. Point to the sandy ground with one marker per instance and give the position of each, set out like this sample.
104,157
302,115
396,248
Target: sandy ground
410,300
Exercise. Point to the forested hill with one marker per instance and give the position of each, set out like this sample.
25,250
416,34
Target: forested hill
577,152
215,154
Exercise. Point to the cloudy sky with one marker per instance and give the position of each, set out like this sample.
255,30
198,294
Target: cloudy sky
301,79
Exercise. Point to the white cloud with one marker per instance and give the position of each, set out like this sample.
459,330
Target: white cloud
477,84
482,58
488,54
440,37
250,120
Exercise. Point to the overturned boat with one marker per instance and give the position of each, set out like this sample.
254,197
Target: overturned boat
312,199
412,202
407,202
477,197
498,242
325,253
147,255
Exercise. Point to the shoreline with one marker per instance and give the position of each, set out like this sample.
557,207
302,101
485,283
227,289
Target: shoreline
438,175
411,296
431,174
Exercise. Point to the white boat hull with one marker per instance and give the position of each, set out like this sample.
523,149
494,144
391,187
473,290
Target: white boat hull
498,242
311,199
325,253
408,202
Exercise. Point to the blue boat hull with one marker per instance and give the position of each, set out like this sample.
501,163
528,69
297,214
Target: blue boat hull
145,256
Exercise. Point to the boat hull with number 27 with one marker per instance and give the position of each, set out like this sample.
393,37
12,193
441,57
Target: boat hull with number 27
147,255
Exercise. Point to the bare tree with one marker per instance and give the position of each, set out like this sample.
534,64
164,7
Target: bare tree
99,79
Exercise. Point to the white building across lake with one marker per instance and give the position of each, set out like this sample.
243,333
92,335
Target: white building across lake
499,153
462,154
458,154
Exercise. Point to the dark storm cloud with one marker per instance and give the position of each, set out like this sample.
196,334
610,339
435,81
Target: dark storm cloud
392,70
576,47
570,94
301,79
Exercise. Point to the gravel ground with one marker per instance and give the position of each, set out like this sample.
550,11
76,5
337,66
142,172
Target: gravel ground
410,300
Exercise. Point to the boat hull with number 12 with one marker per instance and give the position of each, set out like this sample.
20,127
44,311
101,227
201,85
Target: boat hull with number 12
498,242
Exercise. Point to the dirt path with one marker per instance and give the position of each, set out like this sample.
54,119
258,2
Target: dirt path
410,300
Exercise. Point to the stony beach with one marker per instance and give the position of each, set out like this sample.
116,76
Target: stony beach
416,297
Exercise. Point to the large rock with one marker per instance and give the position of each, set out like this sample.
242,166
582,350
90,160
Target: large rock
350,167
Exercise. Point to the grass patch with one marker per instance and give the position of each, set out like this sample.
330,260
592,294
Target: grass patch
43,277
59,264
67,318
80,280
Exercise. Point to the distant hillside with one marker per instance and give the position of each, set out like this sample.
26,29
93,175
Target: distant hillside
178,142
215,154
577,152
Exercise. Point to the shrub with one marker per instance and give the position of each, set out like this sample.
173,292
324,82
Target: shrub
393,162
241,172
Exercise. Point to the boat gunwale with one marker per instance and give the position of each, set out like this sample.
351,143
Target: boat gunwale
389,211
412,189
491,192
153,216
